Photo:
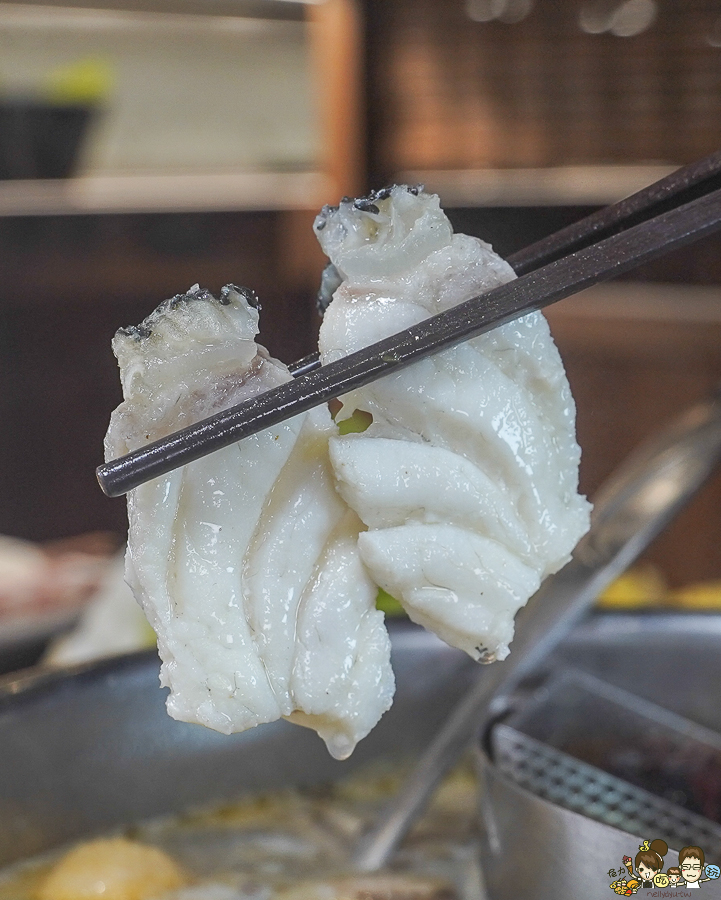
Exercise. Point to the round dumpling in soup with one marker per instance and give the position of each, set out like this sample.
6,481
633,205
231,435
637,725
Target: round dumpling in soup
112,869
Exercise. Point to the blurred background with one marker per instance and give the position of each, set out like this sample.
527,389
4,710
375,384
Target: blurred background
146,145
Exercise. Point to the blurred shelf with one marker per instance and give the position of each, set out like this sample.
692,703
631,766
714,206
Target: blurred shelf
561,186
676,325
256,9
152,193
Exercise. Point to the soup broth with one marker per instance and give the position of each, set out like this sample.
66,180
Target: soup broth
296,845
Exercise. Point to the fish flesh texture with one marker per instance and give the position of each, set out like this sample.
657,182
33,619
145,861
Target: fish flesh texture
467,478
245,562
258,566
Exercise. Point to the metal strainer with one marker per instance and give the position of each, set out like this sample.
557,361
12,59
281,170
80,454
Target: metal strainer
600,751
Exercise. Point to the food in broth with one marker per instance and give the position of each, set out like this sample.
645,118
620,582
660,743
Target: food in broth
286,845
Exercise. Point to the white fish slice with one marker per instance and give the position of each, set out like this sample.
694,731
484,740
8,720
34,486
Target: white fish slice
236,558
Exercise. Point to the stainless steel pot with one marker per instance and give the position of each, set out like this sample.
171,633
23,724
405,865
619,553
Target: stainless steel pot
84,751
536,849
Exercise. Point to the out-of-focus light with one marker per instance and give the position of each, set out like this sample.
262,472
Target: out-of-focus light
596,16
625,19
633,17
507,11
714,36
484,10
516,11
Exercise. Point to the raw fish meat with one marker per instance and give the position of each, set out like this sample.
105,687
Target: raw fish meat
467,478
246,562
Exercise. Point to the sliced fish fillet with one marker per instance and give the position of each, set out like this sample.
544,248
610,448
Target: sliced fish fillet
468,477
246,562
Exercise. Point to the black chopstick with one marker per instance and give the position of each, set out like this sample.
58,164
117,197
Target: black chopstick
686,183
600,261
683,185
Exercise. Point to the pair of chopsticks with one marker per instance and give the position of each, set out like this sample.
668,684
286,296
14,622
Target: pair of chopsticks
675,211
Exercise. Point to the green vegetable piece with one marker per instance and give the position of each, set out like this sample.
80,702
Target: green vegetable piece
389,605
358,422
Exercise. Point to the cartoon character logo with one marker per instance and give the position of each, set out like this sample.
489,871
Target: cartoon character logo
649,861
645,871
624,888
692,863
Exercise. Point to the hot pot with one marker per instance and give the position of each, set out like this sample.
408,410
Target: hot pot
86,750
93,747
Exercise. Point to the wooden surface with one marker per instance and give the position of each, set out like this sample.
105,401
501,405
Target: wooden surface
165,193
450,93
336,53
552,186
636,356
68,284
